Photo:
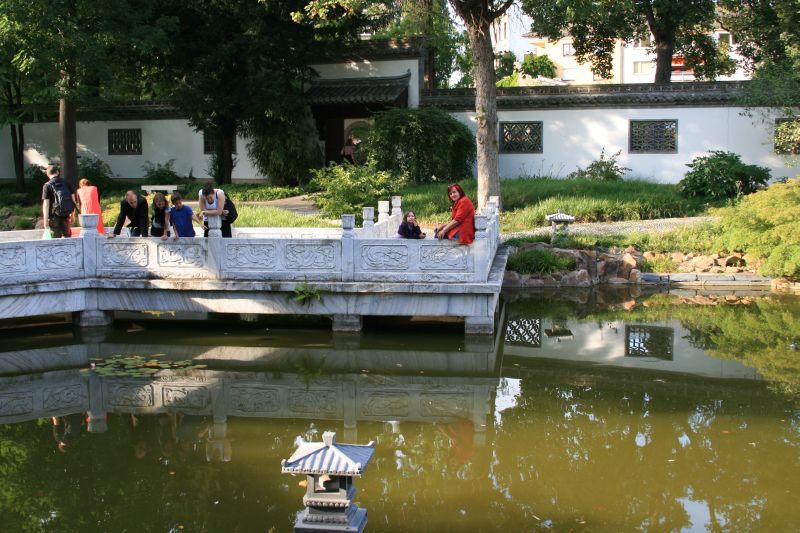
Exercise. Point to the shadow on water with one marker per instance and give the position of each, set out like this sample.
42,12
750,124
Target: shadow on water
596,411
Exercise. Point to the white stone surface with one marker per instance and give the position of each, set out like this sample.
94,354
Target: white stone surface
575,137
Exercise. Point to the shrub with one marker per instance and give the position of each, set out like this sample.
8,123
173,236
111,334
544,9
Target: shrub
347,188
35,173
539,66
96,171
539,262
603,169
722,175
767,225
422,143
285,148
161,173
512,80
505,64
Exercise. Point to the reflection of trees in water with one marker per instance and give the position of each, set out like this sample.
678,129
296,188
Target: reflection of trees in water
759,333
624,456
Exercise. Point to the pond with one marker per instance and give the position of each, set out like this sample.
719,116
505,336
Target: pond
590,411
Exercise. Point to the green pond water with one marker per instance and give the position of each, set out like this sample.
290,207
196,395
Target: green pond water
589,411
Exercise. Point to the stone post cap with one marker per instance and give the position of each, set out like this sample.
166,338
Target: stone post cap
329,438
348,222
368,214
481,222
383,206
396,201
89,223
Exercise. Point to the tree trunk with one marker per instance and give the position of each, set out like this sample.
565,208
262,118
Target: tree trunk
13,100
485,113
68,141
18,149
664,51
226,161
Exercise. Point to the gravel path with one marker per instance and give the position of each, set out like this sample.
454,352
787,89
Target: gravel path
612,228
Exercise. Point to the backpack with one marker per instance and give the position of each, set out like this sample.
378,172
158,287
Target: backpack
231,208
63,204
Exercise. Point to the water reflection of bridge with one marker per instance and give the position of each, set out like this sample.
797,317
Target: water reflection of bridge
343,383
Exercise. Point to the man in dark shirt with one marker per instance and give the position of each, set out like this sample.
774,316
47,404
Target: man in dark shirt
134,208
56,221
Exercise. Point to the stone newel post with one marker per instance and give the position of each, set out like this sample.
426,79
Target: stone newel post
368,214
214,225
396,207
383,210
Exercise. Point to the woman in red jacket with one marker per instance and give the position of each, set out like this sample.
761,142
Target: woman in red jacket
462,226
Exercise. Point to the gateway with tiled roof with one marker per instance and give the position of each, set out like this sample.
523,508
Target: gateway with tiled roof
388,90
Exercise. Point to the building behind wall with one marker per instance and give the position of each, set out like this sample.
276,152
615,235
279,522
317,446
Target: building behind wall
543,130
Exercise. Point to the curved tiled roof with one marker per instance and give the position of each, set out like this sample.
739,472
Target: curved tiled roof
600,95
329,457
357,90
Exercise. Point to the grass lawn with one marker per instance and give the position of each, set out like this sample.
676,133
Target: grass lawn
527,201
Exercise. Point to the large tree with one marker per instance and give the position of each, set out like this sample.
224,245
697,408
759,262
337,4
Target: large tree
82,48
767,35
478,16
677,27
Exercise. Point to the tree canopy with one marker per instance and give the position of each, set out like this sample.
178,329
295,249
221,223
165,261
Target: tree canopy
678,27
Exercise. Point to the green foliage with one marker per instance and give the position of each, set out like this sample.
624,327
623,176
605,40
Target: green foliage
251,216
257,192
464,62
722,175
603,169
305,294
527,201
422,143
539,262
164,174
766,224
679,27
97,171
504,64
429,19
539,65
659,264
285,149
347,188
512,80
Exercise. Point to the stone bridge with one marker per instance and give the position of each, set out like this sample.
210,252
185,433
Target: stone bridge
344,273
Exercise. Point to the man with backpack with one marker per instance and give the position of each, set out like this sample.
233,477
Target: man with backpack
58,204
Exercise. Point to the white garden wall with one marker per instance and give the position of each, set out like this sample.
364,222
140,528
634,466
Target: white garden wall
575,137
162,140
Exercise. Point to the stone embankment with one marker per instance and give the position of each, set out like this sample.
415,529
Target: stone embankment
623,267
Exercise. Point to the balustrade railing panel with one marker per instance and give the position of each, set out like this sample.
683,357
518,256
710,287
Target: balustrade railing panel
40,261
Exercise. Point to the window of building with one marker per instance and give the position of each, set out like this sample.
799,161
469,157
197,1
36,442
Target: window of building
653,137
724,38
521,137
785,138
210,144
567,49
642,67
125,142
649,341
569,74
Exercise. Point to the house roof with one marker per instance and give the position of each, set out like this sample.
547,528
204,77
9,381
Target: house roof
329,457
690,94
357,90
377,49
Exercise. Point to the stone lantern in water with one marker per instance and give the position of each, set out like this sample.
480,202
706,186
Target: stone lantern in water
329,468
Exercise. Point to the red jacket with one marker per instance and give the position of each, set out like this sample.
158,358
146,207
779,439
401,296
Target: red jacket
464,212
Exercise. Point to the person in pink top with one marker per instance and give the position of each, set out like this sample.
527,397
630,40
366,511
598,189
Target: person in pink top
89,202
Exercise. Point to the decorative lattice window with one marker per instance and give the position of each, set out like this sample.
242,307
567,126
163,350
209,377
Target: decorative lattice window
524,332
653,137
521,137
787,136
567,50
125,142
210,144
649,341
